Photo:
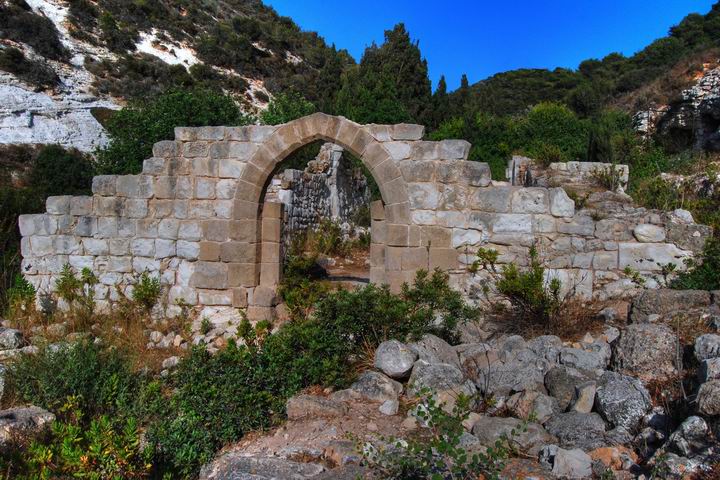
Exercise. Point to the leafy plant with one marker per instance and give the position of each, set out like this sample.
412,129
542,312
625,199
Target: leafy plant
703,273
21,296
78,292
286,107
437,452
146,291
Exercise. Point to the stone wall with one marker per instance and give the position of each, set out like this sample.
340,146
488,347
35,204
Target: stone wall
194,218
582,176
329,188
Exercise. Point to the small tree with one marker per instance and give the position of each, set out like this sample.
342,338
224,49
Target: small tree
285,108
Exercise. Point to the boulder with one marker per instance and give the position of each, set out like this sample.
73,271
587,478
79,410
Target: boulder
502,379
666,303
709,370
433,349
622,400
690,437
542,406
23,423
376,387
547,347
646,351
304,406
395,359
561,382
491,429
583,359
708,398
389,407
572,464
584,397
438,377
235,466
648,233
10,338
707,346
577,430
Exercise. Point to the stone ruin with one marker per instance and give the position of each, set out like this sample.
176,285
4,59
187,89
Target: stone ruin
195,218
329,188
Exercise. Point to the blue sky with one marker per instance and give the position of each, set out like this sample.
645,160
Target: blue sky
483,37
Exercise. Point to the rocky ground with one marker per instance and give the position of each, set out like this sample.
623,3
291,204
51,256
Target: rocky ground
603,407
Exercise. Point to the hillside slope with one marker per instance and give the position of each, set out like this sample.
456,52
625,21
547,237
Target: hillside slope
62,62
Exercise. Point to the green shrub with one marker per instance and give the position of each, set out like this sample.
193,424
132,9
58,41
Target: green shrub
135,129
21,296
101,378
146,291
57,171
703,273
18,22
78,292
437,450
35,72
78,448
286,107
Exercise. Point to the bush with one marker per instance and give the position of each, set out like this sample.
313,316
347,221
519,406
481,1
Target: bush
285,108
57,171
100,378
18,22
35,72
146,291
134,130
703,273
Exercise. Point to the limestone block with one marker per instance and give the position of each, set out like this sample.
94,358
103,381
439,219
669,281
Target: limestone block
398,150
168,228
605,260
147,227
135,208
647,233
59,205
435,236
81,205
270,273
577,226
209,275
263,296
142,247
560,204
205,188
378,231
544,224
397,235
107,227
613,229
477,174
572,280
377,255
95,246
225,189
108,206
271,229
398,212
449,218
86,226
418,170
217,150
529,200
423,150
242,274
209,251
142,264
134,186
119,246
406,131
104,185
155,166
377,210
454,149
468,237
216,230
244,230
64,245
42,245
119,264
78,262
393,258
126,227
260,133
240,297
443,258
449,171
512,223
415,258
215,297
195,149
37,224
491,199
164,248
65,224
190,230
178,294
201,208
424,196
423,217
650,256
166,148
270,253
238,252
188,250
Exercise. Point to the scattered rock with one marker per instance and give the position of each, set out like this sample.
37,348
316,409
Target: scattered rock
691,436
491,429
572,464
547,347
614,458
707,346
709,370
666,303
10,338
577,430
542,406
433,349
583,359
235,466
436,377
622,400
502,379
171,362
708,398
303,406
395,359
389,407
646,351
561,382
584,397
376,387
23,423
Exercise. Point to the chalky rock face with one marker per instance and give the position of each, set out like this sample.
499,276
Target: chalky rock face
196,217
394,359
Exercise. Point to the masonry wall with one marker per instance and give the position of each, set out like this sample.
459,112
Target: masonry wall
190,218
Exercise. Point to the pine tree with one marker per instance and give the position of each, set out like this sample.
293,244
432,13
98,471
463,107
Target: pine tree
440,105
